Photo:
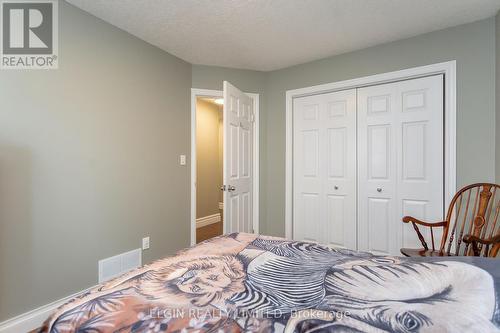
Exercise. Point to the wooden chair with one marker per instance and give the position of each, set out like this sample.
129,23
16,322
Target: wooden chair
474,212
480,245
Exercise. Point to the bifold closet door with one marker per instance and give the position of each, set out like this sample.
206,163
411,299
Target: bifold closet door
324,162
400,161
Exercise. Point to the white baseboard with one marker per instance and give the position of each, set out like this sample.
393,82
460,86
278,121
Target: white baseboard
207,220
34,319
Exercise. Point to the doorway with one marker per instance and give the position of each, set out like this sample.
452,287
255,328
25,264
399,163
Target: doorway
209,162
224,162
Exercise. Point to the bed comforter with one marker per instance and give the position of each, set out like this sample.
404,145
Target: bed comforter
248,283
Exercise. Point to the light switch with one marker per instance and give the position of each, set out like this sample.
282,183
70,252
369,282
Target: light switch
182,160
145,243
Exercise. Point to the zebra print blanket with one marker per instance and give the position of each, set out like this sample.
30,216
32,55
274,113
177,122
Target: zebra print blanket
248,283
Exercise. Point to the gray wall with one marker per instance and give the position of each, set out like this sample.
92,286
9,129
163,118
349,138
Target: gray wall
89,161
497,100
472,45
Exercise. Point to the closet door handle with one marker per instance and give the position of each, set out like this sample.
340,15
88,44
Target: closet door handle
379,189
335,187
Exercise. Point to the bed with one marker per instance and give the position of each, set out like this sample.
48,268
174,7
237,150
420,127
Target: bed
248,283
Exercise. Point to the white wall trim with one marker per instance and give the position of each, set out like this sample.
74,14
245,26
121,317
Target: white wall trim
256,165
447,68
221,205
218,93
35,318
207,220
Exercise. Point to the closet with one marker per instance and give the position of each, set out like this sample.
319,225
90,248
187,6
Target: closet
365,157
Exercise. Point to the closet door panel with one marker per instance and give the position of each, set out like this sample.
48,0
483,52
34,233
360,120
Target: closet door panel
418,209
324,169
379,212
421,162
400,161
376,169
307,179
336,217
340,177
379,152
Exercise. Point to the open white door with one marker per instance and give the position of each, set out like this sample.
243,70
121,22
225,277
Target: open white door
238,160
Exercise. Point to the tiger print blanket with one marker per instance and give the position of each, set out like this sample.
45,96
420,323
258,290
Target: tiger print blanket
249,283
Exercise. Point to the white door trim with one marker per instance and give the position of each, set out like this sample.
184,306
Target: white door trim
218,93
450,112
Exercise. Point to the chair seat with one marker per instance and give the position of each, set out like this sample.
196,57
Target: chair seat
424,253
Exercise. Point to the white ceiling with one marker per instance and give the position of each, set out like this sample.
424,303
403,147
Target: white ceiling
271,34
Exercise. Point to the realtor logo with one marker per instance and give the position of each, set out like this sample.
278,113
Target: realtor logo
29,38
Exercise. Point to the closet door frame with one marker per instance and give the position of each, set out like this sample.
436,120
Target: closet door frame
448,69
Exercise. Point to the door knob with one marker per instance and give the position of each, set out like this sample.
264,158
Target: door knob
231,188
336,187
223,188
379,189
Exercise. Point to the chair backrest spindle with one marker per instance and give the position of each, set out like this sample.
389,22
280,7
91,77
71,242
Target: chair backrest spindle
491,203
454,225
459,238
494,222
432,238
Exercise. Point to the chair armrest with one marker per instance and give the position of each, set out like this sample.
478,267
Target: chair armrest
474,240
408,219
485,241
414,221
